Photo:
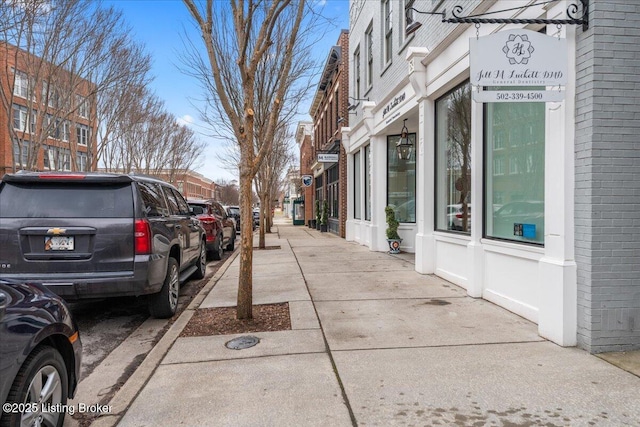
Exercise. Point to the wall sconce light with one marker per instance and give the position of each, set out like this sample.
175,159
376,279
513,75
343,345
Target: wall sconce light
404,146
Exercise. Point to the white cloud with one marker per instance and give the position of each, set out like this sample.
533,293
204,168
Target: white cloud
185,120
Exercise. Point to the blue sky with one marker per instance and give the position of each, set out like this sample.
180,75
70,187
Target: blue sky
159,25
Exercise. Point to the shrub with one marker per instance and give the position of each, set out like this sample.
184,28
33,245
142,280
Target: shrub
392,223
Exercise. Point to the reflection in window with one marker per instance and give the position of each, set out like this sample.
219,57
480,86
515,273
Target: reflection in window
367,183
515,200
401,181
357,186
453,160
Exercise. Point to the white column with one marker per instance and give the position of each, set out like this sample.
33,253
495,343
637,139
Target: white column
475,252
349,225
557,319
379,193
425,243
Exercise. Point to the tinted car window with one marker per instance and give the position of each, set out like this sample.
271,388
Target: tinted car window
67,200
171,200
153,200
183,207
198,210
217,209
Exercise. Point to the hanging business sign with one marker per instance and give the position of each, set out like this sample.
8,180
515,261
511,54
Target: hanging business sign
518,58
328,157
307,180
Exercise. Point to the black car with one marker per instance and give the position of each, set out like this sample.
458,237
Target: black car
234,212
96,235
40,355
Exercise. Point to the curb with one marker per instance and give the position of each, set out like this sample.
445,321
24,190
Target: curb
129,391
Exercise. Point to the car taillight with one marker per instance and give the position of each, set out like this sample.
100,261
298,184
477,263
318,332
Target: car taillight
142,236
458,215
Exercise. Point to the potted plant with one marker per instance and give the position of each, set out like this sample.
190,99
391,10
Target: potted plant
318,215
393,238
324,219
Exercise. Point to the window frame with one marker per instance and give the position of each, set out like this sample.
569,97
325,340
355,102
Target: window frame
443,204
357,185
369,52
356,75
387,31
391,150
490,160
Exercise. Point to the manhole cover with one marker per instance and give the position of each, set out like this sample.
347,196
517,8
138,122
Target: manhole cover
241,343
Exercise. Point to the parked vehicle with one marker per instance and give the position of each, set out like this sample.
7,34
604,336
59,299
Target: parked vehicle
96,235
256,217
234,213
218,226
40,355
455,216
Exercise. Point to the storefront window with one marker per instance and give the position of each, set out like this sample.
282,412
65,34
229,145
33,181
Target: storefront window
357,186
453,160
401,181
514,171
367,183
333,192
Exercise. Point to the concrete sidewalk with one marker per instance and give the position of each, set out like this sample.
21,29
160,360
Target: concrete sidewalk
372,343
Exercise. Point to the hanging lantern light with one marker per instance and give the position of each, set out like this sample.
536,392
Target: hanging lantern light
404,146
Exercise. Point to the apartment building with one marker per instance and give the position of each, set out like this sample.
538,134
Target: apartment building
519,188
48,116
329,113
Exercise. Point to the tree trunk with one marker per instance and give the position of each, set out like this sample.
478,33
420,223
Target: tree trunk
245,280
261,231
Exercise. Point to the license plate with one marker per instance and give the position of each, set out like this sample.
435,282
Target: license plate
58,243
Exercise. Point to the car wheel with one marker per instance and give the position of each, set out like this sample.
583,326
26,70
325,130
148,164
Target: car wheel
164,303
41,383
217,248
232,244
201,263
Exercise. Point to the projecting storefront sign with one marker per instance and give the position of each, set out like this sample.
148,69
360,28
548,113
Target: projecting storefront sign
328,157
307,180
518,58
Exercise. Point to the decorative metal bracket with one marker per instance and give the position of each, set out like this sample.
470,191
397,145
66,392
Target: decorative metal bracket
572,13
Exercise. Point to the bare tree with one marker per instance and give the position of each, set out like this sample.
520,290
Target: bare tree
269,178
149,140
227,192
239,39
62,54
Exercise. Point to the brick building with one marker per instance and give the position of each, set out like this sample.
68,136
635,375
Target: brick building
51,120
329,113
190,183
304,139
551,187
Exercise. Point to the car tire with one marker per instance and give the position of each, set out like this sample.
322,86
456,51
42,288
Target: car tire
164,304
201,263
232,244
43,370
217,249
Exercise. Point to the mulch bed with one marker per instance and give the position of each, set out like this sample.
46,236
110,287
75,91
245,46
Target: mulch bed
222,321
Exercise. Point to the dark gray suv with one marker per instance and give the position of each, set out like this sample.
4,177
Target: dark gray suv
94,235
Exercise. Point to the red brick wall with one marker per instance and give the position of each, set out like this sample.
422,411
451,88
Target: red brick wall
7,62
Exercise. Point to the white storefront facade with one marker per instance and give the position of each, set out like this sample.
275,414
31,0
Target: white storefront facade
488,199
